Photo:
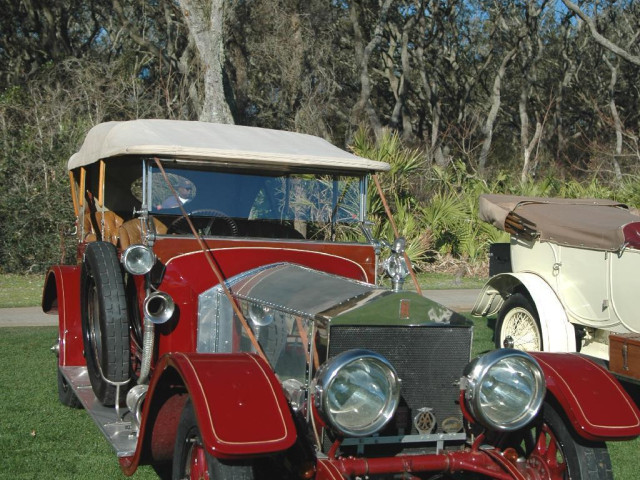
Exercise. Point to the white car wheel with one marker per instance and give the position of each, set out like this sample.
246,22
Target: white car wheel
518,326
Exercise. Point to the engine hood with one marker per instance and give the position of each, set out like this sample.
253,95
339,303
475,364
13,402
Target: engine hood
311,293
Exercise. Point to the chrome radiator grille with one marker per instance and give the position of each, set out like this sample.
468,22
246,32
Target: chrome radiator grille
429,360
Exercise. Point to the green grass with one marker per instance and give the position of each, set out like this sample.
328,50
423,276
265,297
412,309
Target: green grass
441,281
20,290
482,335
40,438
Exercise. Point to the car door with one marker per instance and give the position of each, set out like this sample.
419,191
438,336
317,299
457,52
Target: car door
582,278
624,288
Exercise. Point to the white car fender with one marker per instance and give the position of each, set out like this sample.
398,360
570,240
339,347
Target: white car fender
558,334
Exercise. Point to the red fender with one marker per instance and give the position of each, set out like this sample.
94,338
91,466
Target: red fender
238,400
595,403
61,295
239,403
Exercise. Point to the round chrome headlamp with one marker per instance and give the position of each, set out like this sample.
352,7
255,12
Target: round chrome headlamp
357,392
504,389
138,259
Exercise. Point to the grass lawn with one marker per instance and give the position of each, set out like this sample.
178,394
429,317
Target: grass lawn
20,290
40,438
440,281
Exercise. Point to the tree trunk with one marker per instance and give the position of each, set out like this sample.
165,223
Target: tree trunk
399,80
493,111
362,56
204,19
599,38
528,150
615,116
432,101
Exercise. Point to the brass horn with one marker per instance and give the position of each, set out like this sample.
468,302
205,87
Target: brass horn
159,307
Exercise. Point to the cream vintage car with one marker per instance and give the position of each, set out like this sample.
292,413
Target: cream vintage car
567,281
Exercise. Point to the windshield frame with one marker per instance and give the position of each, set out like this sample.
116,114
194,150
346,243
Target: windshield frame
341,193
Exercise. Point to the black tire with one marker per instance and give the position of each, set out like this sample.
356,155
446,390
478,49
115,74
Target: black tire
66,395
518,325
189,454
562,451
105,325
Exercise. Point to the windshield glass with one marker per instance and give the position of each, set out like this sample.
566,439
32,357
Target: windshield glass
310,206
283,338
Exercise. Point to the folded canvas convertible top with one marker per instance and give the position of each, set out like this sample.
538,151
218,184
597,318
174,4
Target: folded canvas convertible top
588,223
212,142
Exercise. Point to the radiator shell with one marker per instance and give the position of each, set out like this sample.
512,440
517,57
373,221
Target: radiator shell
429,360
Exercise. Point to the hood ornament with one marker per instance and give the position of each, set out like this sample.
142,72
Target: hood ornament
395,266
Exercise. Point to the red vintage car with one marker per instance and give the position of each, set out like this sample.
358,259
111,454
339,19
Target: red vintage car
223,320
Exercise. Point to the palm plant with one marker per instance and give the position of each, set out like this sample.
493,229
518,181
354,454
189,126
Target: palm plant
396,186
439,222
592,189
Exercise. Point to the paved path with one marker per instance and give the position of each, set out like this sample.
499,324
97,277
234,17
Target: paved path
26,317
458,300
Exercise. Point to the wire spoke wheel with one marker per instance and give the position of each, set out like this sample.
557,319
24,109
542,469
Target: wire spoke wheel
518,326
548,457
196,467
551,450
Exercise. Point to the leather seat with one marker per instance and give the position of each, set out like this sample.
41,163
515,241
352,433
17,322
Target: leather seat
93,227
130,232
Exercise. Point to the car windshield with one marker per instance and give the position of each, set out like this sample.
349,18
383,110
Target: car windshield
283,337
315,205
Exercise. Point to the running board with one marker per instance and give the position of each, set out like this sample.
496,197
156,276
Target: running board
114,424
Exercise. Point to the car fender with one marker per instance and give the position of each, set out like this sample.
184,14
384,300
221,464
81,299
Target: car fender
238,400
61,296
558,334
595,403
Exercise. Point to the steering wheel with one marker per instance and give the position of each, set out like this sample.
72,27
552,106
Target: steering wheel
203,225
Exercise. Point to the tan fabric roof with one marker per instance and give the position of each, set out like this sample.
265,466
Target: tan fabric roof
588,223
216,143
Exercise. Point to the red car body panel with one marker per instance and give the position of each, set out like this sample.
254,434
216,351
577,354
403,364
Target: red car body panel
592,398
250,416
355,261
61,296
187,273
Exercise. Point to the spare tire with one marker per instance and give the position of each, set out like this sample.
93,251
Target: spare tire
105,324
